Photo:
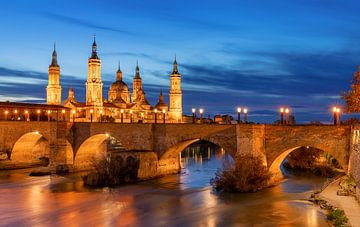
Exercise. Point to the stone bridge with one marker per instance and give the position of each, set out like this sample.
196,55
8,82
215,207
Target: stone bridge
157,146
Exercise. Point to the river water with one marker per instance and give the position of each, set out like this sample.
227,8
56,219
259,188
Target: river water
186,199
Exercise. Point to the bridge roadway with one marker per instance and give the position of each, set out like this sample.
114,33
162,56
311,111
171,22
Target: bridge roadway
157,146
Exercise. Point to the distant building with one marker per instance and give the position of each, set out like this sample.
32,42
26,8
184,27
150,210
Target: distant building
120,106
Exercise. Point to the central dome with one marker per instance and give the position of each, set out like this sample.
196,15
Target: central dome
119,86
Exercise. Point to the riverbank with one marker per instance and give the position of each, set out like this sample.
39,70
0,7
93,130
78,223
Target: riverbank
348,204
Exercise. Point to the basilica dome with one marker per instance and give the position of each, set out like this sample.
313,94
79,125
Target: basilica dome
119,86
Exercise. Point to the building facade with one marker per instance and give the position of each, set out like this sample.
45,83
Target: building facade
121,105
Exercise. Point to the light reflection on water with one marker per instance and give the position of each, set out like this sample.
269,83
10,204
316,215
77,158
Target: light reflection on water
178,200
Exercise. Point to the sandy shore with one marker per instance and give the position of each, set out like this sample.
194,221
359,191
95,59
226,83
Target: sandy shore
349,204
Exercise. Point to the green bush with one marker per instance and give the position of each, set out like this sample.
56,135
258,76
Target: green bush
246,174
337,217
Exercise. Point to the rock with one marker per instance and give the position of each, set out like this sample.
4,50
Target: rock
44,171
342,193
62,169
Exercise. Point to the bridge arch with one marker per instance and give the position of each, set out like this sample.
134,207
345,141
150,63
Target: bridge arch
93,148
174,150
275,165
31,148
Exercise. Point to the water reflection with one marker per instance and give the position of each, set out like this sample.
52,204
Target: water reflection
178,200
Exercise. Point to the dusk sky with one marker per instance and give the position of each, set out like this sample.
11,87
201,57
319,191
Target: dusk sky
259,54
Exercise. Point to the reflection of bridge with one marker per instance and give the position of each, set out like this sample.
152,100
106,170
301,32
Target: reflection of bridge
158,145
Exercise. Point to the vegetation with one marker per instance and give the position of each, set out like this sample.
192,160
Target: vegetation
246,174
352,97
337,217
313,160
112,171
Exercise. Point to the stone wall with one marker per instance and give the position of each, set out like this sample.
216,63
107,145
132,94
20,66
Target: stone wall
354,161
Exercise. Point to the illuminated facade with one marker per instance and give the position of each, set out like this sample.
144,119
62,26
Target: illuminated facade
121,105
53,89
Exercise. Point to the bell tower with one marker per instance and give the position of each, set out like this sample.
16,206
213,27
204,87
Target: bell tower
53,89
137,83
175,96
94,84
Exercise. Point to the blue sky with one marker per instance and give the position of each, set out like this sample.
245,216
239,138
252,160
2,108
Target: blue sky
258,54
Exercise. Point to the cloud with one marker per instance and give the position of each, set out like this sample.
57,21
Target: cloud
85,23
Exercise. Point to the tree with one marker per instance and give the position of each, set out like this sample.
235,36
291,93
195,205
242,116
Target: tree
352,97
246,174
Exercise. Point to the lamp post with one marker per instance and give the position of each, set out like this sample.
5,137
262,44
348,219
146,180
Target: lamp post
6,114
122,115
26,115
73,115
38,115
245,115
239,115
281,116
155,115
130,116
193,110
287,116
48,113
63,115
15,112
335,115
338,116
201,115
91,115
101,112
164,111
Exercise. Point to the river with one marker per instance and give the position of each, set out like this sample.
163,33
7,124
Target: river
186,199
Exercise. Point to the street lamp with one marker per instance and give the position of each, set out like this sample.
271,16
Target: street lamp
155,115
122,115
201,115
193,110
164,111
245,115
91,115
281,116
287,116
15,112
239,115
338,116
63,115
335,115
131,116
101,112
73,115
38,115
6,114
26,115
48,112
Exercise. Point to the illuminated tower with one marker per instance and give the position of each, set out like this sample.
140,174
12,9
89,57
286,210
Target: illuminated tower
137,84
175,96
53,89
93,84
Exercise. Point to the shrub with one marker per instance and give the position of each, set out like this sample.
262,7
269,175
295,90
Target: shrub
112,171
246,174
337,217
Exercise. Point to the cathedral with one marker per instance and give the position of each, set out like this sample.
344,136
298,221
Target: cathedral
122,104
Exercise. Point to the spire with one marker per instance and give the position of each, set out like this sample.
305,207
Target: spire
175,69
161,97
119,70
137,74
94,49
118,73
54,58
71,92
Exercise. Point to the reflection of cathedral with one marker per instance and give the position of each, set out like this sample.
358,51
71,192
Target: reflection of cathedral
121,106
